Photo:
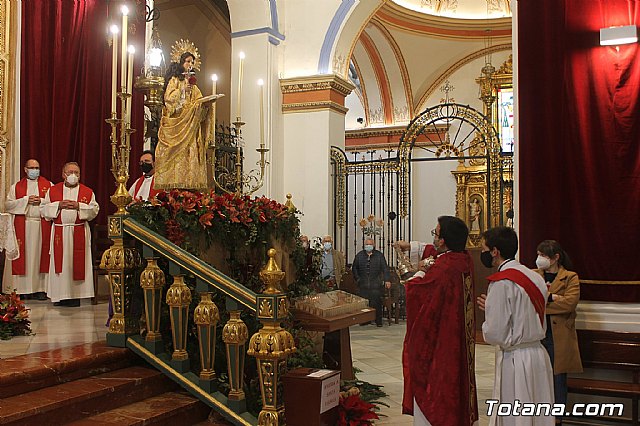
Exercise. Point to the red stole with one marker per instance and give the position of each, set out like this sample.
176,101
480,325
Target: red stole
138,185
429,251
520,278
18,266
84,196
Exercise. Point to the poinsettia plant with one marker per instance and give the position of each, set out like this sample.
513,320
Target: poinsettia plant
14,317
355,411
242,226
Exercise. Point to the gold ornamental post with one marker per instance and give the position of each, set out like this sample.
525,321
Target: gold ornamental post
179,299
120,261
235,335
272,344
152,281
206,317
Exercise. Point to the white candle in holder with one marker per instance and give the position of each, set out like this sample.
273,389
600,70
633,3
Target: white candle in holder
114,68
240,70
129,89
125,28
261,84
214,79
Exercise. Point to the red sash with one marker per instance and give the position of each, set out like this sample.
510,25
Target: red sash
138,185
519,277
18,266
84,196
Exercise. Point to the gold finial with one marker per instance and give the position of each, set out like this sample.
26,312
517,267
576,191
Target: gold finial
271,275
289,204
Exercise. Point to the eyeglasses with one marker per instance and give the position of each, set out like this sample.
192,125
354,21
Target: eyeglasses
434,233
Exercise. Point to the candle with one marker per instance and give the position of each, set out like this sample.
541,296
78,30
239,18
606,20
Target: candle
214,79
125,29
129,88
240,85
261,84
114,69
212,124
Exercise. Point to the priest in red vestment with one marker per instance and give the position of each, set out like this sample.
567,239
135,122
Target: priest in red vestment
70,205
28,273
142,188
439,347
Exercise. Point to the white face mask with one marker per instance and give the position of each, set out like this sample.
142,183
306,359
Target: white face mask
72,179
327,246
543,263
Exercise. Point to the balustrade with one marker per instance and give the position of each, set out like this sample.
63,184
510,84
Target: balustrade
271,345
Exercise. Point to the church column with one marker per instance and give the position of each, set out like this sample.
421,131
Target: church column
313,109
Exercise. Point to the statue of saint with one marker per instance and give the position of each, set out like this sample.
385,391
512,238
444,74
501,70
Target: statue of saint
181,151
474,215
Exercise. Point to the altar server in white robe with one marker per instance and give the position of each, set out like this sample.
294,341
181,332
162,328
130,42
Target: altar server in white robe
515,322
70,205
142,188
27,274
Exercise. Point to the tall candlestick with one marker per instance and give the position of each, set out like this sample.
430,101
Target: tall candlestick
129,88
240,70
125,30
261,84
114,69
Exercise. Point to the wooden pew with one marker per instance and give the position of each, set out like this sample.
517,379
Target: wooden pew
610,350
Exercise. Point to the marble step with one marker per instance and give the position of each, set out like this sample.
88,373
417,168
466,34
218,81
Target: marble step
88,396
30,372
170,408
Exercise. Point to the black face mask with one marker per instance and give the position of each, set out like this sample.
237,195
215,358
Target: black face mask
146,167
486,259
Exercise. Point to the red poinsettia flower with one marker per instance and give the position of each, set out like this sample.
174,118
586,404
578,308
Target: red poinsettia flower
205,219
354,411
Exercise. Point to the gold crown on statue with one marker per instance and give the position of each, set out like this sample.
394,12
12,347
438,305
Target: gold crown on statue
181,46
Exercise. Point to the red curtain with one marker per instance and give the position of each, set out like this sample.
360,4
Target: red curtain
579,139
65,86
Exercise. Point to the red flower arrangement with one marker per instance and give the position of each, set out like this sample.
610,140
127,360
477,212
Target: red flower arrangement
354,411
14,317
240,218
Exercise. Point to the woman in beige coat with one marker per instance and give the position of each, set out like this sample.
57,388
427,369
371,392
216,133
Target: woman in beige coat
561,340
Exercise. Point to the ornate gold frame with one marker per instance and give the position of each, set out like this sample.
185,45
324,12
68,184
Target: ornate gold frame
7,94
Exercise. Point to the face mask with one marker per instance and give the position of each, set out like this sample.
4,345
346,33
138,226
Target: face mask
146,168
327,246
33,173
486,259
368,248
543,263
72,179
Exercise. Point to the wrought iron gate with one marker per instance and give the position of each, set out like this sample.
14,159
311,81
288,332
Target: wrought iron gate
376,184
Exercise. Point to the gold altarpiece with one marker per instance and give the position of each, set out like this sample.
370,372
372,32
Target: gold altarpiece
473,197
8,34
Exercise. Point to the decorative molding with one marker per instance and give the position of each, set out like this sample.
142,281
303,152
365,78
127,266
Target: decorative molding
315,83
315,93
314,106
455,67
438,26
